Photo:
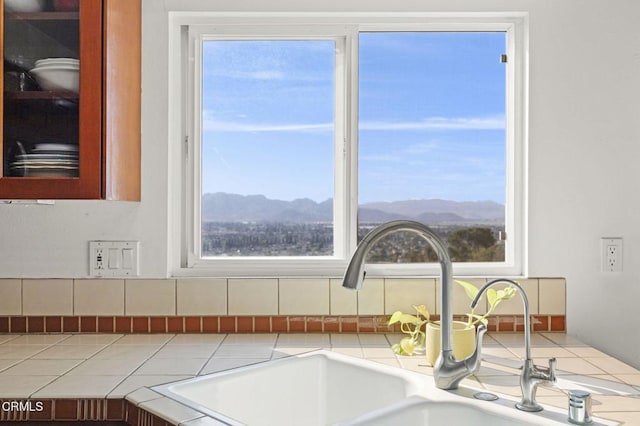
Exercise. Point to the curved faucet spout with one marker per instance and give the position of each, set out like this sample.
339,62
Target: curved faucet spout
525,301
448,372
531,374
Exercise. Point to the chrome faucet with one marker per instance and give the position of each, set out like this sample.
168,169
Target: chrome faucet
447,371
531,375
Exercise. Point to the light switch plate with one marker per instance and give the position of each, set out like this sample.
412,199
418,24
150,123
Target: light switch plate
113,258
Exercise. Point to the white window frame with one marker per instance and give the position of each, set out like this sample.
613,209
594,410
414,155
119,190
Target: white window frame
186,32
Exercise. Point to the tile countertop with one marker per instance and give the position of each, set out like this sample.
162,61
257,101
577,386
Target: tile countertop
113,365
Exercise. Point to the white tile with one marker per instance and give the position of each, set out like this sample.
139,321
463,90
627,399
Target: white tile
41,367
344,340
343,301
139,352
515,306
142,395
6,363
47,297
69,352
222,364
378,340
194,339
20,351
371,297
203,421
150,297
402,293
201,296
98,297
106,367
253,297
461,302
303,340
10,297
264,339
171,366
170,410
243,351
145,339
133,383
91,339
552,294
39,339
186,351
612,365
303,296
79,387
23,388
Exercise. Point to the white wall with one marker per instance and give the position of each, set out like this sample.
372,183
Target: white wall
584,148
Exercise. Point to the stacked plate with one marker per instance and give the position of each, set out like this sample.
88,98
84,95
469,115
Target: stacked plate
57,74
47,160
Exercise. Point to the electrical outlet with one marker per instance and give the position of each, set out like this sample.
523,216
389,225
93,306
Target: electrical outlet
611,252
113,258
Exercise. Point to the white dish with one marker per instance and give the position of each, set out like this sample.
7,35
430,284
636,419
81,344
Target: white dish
45,157
24,5
57,78
44,163
60,66
57,61
52,146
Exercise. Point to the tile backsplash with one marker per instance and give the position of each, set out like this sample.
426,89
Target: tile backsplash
311,304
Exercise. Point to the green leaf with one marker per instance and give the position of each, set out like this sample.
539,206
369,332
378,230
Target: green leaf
469,288
408,345
492,296
422,310
395,317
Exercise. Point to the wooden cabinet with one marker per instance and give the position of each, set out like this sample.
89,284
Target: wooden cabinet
71,99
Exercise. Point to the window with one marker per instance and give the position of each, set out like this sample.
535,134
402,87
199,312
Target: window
432,141
268,137
300,139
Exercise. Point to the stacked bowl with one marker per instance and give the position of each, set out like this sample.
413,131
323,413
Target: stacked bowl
46,160
57,74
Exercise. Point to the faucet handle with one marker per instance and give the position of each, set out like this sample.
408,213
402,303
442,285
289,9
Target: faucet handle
475,359
552,369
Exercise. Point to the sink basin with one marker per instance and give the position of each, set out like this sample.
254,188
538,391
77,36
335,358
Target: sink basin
318,388
417,412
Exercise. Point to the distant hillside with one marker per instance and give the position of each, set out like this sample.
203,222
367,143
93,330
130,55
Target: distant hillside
441,210
224,207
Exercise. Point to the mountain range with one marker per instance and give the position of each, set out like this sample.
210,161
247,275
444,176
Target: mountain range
225,207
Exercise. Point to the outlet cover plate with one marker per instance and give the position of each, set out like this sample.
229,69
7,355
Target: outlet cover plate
113,258
611,254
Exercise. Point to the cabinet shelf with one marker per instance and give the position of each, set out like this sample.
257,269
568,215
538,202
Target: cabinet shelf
39,95
44,16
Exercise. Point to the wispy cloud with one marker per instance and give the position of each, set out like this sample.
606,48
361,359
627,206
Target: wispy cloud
438,123
250,75
433,123
227,126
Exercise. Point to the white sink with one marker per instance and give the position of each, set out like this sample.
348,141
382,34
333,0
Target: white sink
418,412
318,388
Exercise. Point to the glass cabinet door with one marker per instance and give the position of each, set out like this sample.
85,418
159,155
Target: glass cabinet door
51,97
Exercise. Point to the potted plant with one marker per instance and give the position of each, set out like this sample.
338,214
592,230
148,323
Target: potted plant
428,340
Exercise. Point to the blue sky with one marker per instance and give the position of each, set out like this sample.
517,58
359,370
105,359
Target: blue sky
431,114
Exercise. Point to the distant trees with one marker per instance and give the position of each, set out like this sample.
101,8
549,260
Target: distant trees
471,244
474,245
